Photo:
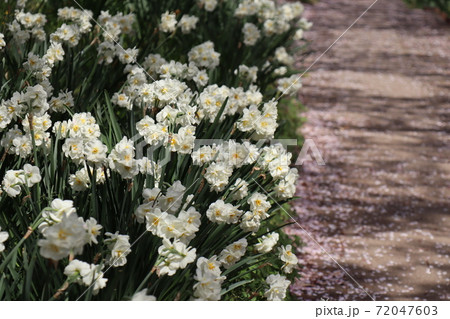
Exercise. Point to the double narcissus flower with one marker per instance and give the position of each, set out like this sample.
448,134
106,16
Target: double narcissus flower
174,255
209,279
278,285
289,258
168,22
3,237
251,34
2,41
88,275
64,232
209,5
15,180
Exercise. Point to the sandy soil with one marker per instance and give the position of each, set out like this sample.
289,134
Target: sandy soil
379,111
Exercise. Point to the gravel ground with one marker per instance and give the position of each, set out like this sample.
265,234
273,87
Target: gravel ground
379,111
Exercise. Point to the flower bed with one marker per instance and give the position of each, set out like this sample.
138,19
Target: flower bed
136,161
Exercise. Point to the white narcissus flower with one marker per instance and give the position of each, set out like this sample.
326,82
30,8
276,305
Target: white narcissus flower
3,237
95,279
282,56
286,187
74,148
55,213
80,181
121,159
60,208
203,55
61,239
95,151
36,97
190,219
120,247
29,20
165,225
289,258
12,183
207,267
266,243
217,175
187,23
209,279
233,253
251,34
54,53
106,52
142,296
240,189
250,116
86,274
145,125
254,96
62,102
14,179
2,41
269,27
265,127
285,190
172,200
211,100
290,85
209,5
148,167
5,116
122,100
297,8
201,78
12,108
278,286
165,90
248,73
253,153
282,70
19,35
174,255
259,204
143,210
150,195
182,142
126,56
247,8
93,230
168,22
298,34
305,24
279,167
250,222
167,115
221,212
170,227
77,268
153,63
202,155
232,153
153,216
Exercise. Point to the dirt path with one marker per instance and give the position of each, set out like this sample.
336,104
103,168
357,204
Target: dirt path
379,111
